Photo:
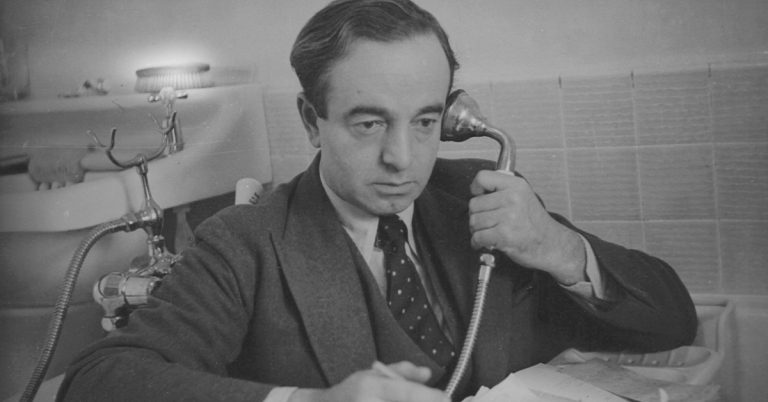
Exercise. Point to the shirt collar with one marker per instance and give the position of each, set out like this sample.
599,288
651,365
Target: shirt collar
359,224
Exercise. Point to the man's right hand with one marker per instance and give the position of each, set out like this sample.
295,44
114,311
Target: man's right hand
372,385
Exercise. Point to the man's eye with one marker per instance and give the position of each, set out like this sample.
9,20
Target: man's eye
426,124
369,127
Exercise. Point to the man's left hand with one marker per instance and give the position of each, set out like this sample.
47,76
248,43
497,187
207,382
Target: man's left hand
506,215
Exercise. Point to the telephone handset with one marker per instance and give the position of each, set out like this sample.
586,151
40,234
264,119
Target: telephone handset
463,120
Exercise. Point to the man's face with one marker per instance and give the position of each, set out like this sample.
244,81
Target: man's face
381,135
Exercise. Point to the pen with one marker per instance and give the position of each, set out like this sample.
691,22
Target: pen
384,370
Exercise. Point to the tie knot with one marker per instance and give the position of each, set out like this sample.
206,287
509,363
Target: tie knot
392,230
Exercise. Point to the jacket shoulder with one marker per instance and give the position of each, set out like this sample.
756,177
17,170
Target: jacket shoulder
269,213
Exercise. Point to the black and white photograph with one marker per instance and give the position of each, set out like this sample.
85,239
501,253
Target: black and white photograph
384,200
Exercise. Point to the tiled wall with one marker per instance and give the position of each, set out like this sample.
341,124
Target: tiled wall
672,163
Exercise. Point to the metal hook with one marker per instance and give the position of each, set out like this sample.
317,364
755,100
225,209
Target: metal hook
141,157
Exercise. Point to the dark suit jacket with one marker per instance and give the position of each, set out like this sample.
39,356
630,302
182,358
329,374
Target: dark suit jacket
277,294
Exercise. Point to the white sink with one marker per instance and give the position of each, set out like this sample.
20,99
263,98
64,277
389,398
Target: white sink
224,135
225,139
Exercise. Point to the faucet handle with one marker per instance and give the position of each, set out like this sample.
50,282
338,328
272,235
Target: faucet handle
170,125
167,96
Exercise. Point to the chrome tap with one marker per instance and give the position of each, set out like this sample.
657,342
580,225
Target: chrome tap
119,293
167,97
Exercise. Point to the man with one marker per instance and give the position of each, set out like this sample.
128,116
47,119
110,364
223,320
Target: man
294,299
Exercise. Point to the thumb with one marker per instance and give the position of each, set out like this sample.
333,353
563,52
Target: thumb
406,370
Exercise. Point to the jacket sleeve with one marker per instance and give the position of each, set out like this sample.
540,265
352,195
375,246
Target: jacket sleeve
646,306
178,347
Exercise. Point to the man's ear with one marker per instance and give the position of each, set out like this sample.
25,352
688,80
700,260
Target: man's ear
308,118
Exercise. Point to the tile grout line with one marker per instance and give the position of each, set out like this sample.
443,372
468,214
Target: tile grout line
715,189
636,153
564,143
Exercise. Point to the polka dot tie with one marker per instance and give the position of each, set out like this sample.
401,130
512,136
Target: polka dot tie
406,296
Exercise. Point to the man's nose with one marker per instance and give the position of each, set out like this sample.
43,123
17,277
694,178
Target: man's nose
396,150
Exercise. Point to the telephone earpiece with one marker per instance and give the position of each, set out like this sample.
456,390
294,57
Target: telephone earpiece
463,120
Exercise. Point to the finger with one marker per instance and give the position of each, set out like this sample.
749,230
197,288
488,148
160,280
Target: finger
411,372
489,202
480,185
484,220
487,181
407,391
486,238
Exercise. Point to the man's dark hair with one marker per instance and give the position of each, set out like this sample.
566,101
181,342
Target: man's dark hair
327,36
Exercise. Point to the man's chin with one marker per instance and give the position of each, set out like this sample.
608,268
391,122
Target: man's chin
391,205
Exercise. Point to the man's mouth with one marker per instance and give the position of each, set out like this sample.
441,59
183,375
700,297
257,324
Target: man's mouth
394,188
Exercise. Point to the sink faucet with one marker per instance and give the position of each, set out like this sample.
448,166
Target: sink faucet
167,97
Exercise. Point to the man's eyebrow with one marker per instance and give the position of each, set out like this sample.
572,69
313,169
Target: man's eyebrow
372,110
379,111
436,108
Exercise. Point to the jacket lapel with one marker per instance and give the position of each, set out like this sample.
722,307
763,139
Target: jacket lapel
324,281
446,225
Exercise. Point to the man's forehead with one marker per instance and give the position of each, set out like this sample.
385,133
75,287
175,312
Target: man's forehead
389,55
415,71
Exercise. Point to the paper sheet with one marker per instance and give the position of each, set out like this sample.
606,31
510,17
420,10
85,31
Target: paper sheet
591,381
627,383
513,389
546,378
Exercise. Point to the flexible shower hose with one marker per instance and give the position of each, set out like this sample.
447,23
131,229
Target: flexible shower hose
62,304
